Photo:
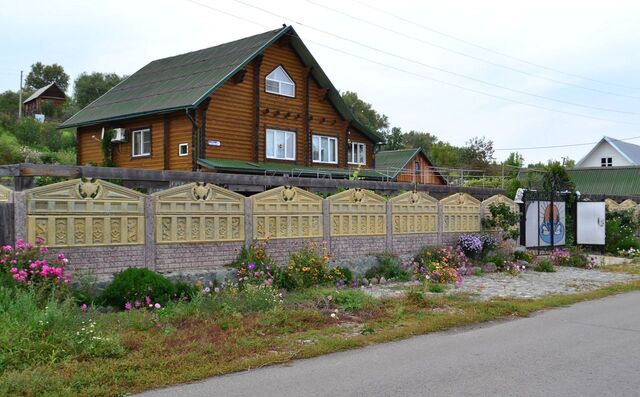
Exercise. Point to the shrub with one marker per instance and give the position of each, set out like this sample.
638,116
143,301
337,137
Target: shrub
524,256
544,266
503,218
470,244
351,300
308,267
497,260
620,231
436,288
26,265
388,266
572,258
138,285
255,253
514,268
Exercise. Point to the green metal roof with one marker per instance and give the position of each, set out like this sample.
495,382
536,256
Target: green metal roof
613,181
392,162
281,168
184,81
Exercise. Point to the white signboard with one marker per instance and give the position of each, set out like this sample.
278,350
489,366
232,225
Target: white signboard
538,225
591,221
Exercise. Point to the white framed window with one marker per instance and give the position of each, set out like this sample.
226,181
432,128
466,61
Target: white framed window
279,82
325,149
183,149
357,153
141,145
606,162
281,145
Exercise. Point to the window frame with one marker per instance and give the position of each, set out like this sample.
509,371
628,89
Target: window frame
274,156
279,92
133,143
335,148
180,146
351,152
606,162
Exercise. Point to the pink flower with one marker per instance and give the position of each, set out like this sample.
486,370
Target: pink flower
147,300
206,290
157,306
14,270
127,306
137,304
84,307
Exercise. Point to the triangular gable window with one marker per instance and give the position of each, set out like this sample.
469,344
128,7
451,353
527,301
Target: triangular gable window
279,82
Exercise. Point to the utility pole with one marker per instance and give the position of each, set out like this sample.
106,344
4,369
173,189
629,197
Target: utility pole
20,98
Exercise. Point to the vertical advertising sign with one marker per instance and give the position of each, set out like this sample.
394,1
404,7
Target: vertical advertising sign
545,224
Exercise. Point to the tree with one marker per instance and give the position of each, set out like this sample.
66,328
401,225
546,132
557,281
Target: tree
478,153
416,139
88,87
41,75
365,113
393,139
9,102
515,160
557,178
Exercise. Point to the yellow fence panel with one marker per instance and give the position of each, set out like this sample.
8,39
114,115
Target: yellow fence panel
611,205
628,204
461,213
4,194
414,212
357,212
85,213
199,212
287,212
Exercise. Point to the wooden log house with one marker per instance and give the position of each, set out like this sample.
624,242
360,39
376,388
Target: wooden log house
258,105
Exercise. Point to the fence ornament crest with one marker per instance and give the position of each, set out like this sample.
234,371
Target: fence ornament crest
357,212
414,212
199,212
627,204
287,212
461,213
85,212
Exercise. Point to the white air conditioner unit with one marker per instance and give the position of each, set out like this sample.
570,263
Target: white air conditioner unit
119,135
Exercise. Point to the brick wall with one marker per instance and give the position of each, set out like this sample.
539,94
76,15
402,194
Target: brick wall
195,256
105,260
343,247
412,243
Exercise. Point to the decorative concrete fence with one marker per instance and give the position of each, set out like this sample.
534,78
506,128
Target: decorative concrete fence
200,226
627,204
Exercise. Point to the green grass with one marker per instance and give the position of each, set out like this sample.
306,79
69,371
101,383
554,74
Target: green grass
190,341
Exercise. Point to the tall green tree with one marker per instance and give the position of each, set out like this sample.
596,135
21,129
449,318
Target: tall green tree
556,178
365,113
42,75
9,102
393,139
478,153
515,160
89,86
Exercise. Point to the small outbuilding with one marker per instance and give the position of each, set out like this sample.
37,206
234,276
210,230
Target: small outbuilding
408,165
51,93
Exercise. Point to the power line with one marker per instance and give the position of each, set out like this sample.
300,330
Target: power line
428,77
436,67
450,36
562,146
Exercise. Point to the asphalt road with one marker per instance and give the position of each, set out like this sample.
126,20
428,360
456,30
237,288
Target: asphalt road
588,349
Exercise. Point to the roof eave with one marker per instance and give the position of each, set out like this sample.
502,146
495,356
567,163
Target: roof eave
127,117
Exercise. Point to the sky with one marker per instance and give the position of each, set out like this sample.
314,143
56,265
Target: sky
521,74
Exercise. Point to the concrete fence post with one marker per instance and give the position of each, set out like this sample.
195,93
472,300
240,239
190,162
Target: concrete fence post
248,222
20,215
150,232
389,234
326,222
440,224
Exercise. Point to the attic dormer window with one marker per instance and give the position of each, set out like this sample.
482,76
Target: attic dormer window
279,82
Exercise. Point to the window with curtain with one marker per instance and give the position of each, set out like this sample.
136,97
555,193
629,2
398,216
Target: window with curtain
281,145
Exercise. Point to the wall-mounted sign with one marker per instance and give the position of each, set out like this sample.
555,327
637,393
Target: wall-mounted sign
213,143
540,229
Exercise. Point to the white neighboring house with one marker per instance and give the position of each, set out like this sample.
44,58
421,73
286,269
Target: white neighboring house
610,152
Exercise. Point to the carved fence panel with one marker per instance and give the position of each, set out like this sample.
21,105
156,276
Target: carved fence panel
497,199
85,213
414,212
357,212
287,212
4,194
461,213
199,212
611,205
